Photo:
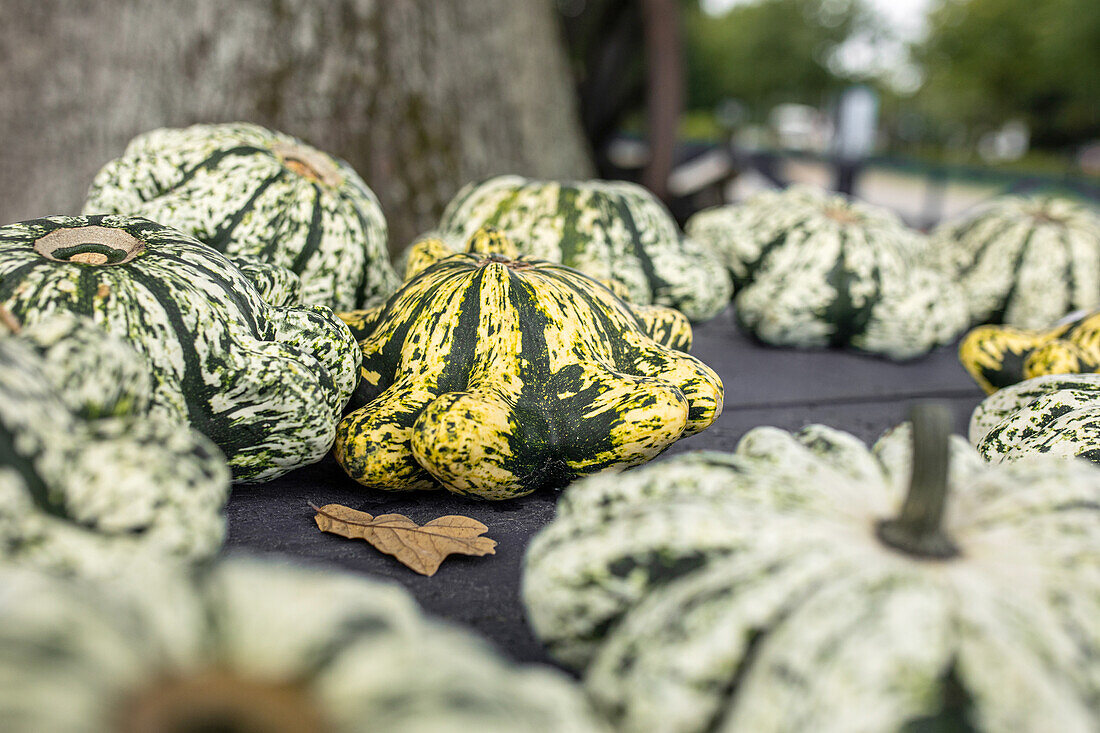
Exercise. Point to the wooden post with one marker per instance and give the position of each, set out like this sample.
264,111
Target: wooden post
664,89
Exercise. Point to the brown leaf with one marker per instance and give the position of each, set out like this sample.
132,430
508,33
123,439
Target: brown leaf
421,549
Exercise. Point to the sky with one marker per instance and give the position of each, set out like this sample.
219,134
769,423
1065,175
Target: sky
906,16
906,19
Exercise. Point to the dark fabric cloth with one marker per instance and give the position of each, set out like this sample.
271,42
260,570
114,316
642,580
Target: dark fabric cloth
764,386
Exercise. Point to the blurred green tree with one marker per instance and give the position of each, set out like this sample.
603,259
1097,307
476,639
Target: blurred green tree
988,61
767,52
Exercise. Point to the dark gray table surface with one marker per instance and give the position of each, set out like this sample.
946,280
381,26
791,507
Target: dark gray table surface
764,386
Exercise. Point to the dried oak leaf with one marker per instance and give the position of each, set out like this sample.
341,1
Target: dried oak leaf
420,548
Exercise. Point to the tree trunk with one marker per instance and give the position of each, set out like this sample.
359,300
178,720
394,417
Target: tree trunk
420,96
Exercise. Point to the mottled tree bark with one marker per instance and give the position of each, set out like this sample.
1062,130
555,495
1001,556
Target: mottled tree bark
419,96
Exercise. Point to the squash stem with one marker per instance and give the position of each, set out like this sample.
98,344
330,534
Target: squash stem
218,700
90,244
918,529
309,163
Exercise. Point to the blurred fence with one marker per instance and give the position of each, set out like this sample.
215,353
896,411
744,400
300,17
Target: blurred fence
921,192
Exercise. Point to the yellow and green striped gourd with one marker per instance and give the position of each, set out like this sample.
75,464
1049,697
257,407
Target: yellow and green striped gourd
997,356
666,325
494,377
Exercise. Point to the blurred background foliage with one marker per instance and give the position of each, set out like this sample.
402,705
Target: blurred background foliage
978,65
988,61
768,52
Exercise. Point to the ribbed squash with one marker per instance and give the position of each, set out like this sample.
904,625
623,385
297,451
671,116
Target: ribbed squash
665,325
609,230
89,481
997,356
266,384
255,647
815,270
743,234
806,583
246,190
1057,414
1021,261
495,377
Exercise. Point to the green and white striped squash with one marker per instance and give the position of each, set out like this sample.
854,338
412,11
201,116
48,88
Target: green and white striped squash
495,377
609,230
743,234
807,583
89,481
267,384
276,285
246,190
1025,262
814,270
251,646
1056,413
